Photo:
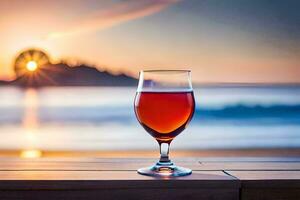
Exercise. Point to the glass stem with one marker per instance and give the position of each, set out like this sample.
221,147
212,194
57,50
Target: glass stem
164,152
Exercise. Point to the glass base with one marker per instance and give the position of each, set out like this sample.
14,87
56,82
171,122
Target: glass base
165,169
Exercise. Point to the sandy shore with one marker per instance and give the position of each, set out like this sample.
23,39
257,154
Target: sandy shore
147,154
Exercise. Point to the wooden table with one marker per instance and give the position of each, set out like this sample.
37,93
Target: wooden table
95,178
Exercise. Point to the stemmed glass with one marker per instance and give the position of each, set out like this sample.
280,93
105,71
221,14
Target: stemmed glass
164,105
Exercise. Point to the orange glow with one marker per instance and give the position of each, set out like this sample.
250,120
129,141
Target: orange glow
31,66
30,119
30,124
31,153
215,52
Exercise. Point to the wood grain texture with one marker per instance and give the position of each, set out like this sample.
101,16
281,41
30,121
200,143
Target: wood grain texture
17,180
87,164
132,194
266,175
250,159
265,185
270,193
267,179
251,166
97,178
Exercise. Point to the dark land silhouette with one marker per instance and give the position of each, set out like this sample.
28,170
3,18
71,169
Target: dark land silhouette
43,72
63,75
3,82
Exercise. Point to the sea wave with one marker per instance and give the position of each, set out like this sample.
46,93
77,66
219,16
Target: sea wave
239,113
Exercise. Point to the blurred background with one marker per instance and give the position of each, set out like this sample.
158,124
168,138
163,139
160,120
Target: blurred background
69,73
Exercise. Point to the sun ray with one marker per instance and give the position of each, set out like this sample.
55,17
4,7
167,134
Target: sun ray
30,61
44,75
27,56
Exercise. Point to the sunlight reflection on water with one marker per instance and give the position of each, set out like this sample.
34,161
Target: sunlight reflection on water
30,125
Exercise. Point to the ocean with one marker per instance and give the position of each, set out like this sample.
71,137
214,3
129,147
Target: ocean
102,118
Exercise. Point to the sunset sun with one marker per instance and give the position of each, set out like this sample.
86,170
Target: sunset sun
31,65
29,61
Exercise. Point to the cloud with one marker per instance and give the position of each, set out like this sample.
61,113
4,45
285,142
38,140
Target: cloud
117,13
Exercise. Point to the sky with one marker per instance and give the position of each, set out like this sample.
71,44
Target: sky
248,41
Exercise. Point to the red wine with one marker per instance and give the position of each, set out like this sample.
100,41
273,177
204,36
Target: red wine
164,114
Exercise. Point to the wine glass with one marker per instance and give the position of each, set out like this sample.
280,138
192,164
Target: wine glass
164,105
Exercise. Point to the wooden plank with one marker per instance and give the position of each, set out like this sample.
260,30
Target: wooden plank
90,164
28,180
71,166
133,159
97,178
266,175
262,185
270,193
251,166
132,194
249,159
91,159
116,185
267,179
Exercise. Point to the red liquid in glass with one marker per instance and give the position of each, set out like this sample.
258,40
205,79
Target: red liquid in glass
164,114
